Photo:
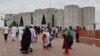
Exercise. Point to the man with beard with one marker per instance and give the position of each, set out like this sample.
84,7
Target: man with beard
26,40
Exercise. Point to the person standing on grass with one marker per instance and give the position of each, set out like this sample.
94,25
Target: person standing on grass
66,37
6,32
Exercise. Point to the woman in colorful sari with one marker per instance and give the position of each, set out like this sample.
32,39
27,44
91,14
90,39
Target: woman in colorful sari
66,41
45,38
71,34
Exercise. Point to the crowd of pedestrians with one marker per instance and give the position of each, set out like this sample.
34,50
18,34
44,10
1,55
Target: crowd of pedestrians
29,34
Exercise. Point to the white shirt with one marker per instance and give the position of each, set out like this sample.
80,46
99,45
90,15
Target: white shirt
14,30
48,37
53,29
56,29
33,34
20,28
6,30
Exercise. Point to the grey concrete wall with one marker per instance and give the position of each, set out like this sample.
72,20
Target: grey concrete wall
59,17
89,17
71,15
26,18
37,15
48,14
11,18
16,16
81,18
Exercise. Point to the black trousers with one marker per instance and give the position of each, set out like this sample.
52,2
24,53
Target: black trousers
77,38
5,37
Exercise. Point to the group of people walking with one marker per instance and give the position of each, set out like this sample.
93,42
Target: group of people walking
29,34
68,34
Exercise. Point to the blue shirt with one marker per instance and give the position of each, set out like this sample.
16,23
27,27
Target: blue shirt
71,32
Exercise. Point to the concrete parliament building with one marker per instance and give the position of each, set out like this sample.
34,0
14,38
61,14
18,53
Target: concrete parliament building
71,15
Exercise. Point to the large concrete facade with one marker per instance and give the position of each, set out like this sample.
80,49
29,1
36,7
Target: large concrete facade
10,17
59,17
26,16
89,17
71,15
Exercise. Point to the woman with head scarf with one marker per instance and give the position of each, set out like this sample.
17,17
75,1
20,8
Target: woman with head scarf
66,41
26,40
45,38
71,34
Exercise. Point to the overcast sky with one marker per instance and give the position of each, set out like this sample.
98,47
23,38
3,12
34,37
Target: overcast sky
16,6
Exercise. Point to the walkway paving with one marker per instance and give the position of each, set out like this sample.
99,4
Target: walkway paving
12,49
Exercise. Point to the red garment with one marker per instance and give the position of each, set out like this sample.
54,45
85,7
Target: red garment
43,38
66,47
77,31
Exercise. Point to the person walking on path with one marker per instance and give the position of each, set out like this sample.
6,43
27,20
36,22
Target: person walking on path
49,38
26,40
56,32
13,32
77,33
36,35
65,35
20,30
6,32
33,36
46,39
71,34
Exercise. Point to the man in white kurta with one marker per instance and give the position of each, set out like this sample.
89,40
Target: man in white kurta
33,35
20,29
14,31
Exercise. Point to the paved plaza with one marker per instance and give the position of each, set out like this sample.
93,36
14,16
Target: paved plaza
12,48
